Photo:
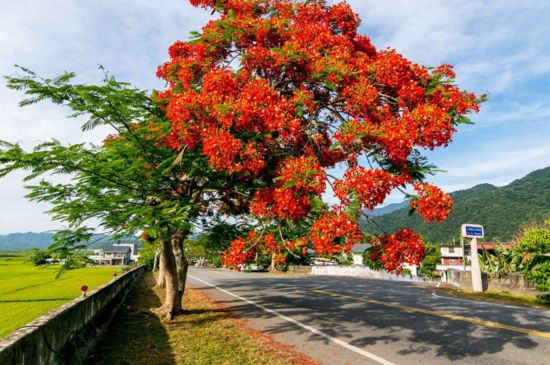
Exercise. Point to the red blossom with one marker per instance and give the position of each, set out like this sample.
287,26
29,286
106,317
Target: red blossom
433,205
393,251
303,173
369,187
333,233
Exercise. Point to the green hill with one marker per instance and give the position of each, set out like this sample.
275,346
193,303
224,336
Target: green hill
501,210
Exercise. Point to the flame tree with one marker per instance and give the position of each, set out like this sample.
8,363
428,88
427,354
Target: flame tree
281,92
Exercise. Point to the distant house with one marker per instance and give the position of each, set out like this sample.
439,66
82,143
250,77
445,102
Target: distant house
112,255
133,247
452,256
358,251
316,260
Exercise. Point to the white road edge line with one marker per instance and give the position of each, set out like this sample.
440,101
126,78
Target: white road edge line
337,341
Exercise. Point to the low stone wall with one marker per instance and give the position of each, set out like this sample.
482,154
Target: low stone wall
67,334
511,283
299,269
365,271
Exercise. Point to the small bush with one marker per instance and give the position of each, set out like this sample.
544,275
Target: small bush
345,259
531,256
147,255
39,257
430,261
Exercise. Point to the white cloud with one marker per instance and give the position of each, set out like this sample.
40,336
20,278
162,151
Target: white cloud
130,38
494,44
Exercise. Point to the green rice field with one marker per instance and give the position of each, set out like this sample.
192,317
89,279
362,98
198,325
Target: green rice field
27,291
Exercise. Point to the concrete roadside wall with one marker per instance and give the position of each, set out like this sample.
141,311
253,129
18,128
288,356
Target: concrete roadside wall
67,334
365,271
511,283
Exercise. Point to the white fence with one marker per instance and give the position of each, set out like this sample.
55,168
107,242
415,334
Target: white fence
365,271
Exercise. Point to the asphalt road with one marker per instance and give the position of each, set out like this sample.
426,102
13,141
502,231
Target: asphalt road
344,320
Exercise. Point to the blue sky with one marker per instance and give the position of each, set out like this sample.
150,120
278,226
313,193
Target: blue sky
500,47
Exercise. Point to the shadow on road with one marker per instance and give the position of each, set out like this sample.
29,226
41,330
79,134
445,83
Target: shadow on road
367,324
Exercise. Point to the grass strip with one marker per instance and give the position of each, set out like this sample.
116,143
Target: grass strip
498,297
204,334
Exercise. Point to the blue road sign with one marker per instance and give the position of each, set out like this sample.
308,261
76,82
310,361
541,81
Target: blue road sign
474,231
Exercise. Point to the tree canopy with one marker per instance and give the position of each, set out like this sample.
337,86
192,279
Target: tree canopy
280,92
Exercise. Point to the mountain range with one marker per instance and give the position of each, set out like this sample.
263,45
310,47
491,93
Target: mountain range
503,211
28,240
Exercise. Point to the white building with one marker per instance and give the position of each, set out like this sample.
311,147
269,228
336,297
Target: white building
112,255
452,257
133,247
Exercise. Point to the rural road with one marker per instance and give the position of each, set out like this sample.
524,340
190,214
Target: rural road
345,320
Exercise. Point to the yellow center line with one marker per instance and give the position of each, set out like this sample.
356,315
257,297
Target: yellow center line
438,314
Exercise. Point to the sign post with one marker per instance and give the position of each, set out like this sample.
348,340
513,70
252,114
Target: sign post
474,231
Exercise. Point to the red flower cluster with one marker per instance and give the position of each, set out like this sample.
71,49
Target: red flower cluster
239,252
303,173
392,251
284,203
334,232
433,205
369,187
242,251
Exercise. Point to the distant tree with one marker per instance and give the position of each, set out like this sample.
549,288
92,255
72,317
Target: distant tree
38,257
147,255
430,261
211,243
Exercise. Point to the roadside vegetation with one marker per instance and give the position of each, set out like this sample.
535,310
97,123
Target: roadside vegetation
206,334
27,291
530,256
430,261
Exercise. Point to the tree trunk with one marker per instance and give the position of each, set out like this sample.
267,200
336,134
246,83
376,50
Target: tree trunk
272,266
172,304
161,279
156,260
181,261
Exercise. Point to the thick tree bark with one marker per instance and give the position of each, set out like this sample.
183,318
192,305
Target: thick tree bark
172,304
181,261
161,279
